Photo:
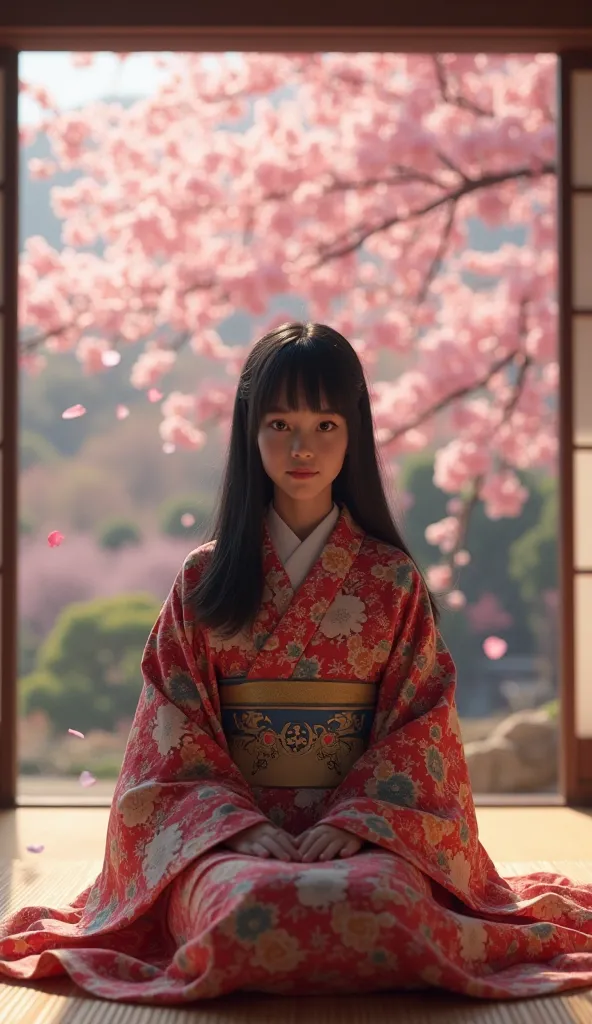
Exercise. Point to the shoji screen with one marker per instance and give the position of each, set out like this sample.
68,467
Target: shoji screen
576,419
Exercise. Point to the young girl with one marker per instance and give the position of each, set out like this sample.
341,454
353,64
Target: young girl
294,812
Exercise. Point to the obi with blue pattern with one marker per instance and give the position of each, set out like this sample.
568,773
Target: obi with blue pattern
294,732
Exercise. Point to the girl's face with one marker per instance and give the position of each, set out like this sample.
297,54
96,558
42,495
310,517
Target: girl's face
302,451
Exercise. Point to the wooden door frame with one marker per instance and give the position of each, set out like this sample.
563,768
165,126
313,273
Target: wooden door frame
520,26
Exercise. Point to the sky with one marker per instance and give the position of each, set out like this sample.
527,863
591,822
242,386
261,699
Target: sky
72,87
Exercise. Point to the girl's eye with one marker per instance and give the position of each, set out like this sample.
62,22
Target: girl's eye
329,424
278,424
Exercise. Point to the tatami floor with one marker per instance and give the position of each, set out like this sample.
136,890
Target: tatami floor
519,839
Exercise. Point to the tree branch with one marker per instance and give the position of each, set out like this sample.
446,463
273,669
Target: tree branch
456,100
469,503
453,396
436,262
468,186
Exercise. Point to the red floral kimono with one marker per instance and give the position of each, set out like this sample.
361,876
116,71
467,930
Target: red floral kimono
339,707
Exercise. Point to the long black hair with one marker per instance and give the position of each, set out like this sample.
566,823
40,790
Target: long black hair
291,360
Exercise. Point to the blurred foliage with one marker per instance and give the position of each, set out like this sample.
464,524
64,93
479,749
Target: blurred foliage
87,674
552,709
35,449
171,512
119,533
28,645
62,383
73,496
533,557
492,569
26,526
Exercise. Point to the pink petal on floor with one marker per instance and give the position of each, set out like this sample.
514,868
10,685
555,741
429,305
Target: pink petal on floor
494,647
86,779
35,849
111,357
122,412
73,412
74,732
154,395
187,519
55,538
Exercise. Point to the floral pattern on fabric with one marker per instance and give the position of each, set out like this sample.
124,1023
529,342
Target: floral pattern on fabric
175,916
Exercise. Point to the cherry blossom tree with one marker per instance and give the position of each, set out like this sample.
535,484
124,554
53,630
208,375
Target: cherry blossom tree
353,181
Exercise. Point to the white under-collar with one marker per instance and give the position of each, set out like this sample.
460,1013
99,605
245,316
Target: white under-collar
298,556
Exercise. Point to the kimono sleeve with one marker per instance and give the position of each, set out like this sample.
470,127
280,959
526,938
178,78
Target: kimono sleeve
410,792
179,793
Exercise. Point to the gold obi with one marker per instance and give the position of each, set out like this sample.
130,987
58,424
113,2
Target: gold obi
292,732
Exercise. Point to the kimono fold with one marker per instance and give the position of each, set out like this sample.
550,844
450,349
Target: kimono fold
337,706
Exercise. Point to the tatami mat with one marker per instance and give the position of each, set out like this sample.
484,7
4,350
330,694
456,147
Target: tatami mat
55,883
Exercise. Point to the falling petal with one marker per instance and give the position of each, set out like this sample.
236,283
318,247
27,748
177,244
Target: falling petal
55,538
73,412
154,395
456,599
494,647
111,357
35,849
74,732
187,519
122,412
168,448
86,779
462,558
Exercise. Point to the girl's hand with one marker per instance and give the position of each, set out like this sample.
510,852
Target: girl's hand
265,840
323,842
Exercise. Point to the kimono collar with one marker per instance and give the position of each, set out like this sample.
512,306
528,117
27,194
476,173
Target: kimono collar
288,620
296,556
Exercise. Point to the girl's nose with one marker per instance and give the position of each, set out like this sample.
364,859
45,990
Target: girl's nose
299,447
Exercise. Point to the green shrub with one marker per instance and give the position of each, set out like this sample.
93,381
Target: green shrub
119,533
35,450
26,525
87,675
172,511
552,709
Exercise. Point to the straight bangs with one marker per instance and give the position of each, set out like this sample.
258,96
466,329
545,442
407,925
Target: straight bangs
311,371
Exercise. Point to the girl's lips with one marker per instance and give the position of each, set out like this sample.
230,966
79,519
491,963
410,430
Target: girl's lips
302,472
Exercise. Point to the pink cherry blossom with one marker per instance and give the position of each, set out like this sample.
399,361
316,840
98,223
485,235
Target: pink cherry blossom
150,367
187,519
503,495
487,613
111,357
462,558
349,183
154,395
439,577
122,412
494,647
178,404
179,431
55,538
444,534
73,412
456,599
86,779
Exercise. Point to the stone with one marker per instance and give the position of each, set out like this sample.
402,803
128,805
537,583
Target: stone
519,756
